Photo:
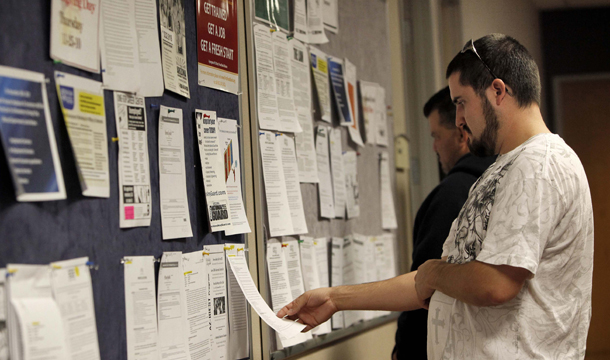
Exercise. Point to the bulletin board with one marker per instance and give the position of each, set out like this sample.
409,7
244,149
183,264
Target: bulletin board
363,38
42,232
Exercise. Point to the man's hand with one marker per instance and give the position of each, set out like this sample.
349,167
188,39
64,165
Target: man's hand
424,279
312,308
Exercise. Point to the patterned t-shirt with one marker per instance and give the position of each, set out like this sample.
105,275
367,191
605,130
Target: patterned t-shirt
530,209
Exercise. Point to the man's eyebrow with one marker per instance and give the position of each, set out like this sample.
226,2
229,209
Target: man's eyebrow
456,99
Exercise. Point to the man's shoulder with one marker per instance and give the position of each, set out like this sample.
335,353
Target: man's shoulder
543,157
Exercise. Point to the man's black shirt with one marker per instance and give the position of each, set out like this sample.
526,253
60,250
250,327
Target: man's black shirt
432,224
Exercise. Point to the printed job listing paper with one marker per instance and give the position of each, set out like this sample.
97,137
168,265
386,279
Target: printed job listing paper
175,217
336,159
35,322
293,187
305,148
195,273
286,327
119,46
382,119
173,334
217,299
278,209
73,292
238,308
134,171
281,292
320,246
315,23
371,269
283,82
370,112
140,308
330,9
336,275
301,85
300,21
149,55
268,117
388,213
325,186
352,191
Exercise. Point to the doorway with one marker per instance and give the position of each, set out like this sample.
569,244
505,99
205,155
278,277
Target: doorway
582,109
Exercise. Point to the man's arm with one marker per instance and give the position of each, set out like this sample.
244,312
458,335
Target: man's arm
316,306
475,283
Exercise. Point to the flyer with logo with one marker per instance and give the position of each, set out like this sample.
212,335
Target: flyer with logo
218,63
210,152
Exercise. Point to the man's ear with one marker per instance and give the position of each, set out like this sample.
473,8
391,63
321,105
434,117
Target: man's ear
499,91
462,135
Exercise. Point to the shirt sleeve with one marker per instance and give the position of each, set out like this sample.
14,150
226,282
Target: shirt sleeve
523,218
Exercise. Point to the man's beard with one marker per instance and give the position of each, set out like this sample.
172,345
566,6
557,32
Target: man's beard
486,144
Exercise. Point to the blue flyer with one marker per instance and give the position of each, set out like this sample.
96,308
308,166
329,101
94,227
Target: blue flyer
335,67
27,136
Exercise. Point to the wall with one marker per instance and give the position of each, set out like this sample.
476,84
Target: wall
373,344
362,24
517,18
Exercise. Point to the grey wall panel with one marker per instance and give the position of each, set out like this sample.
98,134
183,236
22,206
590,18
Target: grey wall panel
363,38
39,233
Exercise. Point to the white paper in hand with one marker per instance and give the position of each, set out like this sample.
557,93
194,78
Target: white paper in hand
285,327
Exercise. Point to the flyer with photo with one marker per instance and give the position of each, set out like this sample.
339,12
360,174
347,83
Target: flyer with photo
173,46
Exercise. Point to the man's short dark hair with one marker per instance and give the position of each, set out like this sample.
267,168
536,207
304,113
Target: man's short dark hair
508,59
441,101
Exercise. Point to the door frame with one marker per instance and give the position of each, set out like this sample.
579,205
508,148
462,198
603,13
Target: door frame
557,81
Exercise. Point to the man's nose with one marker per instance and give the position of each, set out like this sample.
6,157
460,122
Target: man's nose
459,119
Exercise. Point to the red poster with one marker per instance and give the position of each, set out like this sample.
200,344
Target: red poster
217,44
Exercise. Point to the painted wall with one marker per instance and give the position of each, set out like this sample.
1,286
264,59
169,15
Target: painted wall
373,344
517,18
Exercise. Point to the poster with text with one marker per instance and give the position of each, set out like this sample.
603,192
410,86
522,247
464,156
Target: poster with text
217,50
74,33
28,137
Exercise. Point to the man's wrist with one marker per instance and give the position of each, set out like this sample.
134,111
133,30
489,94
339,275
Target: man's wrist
437,270
337,295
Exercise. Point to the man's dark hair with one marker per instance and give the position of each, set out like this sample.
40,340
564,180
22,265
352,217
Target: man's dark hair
441,101
508,59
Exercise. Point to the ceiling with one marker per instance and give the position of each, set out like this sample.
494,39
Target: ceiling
563,4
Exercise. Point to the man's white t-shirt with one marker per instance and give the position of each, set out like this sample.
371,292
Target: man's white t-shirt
531,209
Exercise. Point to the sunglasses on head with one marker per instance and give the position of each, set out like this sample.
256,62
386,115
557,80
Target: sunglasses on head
470,47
